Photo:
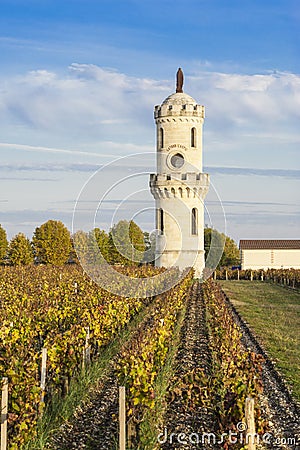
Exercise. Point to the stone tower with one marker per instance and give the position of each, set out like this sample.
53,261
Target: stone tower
179,186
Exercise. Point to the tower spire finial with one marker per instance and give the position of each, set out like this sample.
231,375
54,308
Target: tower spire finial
179,80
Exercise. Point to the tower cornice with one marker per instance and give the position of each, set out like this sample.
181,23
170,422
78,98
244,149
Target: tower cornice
184,185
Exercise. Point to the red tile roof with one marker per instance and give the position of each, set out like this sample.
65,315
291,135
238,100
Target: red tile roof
270,244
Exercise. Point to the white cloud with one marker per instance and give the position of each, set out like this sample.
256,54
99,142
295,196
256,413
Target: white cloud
87,103
40,149
98,107
252,101
236,82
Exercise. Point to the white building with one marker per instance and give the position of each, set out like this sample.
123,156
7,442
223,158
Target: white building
270,254
179,186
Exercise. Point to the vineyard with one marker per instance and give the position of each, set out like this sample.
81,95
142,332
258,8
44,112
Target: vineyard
44,307
286,277
184,357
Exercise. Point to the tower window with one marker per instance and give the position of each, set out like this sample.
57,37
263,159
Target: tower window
193,137
161,138
160,220
194,221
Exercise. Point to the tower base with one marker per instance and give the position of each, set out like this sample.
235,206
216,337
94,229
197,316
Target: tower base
182,259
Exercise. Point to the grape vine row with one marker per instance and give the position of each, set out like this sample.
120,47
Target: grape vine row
52,308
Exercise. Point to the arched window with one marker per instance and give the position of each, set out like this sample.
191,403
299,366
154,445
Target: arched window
193,137
160,220
161,137
180,191
194,221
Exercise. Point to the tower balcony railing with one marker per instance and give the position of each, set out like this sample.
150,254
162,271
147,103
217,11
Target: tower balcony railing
189,185
189,177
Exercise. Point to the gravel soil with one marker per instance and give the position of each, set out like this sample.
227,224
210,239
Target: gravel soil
94,425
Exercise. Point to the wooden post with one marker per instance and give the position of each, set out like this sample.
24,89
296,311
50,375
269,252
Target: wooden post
215,275
226,275
43,377
251,276
4,413
122,417
250,422
262,276
238,274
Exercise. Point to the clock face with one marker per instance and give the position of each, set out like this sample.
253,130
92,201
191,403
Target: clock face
177,160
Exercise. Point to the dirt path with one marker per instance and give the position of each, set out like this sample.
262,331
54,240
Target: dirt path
193,353
94,426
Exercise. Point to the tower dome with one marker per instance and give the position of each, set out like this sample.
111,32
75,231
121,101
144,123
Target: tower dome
179,98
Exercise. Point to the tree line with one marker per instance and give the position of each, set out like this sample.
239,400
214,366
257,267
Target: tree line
53,244
124,244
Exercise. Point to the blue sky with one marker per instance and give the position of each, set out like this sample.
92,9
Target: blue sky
79,81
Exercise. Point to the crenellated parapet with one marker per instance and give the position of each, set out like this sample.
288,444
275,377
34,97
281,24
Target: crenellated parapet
184,185
182,111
